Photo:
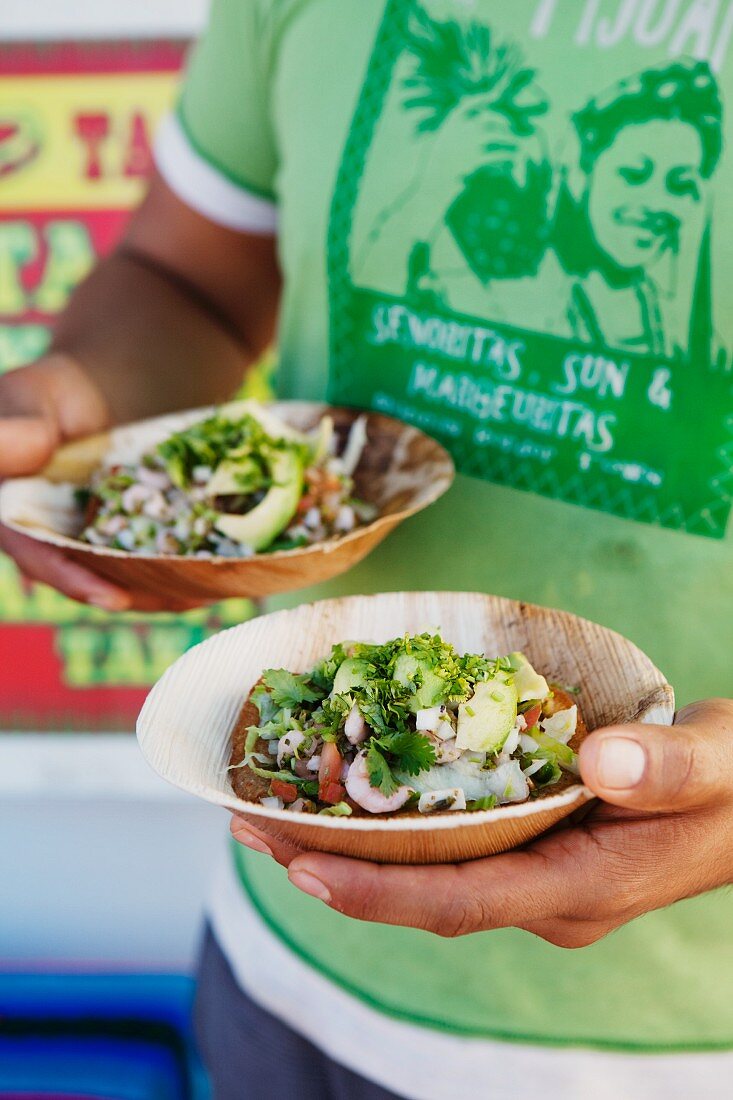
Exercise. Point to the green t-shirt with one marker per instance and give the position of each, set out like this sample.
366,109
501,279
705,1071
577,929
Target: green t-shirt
511,224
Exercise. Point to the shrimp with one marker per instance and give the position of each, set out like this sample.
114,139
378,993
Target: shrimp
445,751
355,727
369,798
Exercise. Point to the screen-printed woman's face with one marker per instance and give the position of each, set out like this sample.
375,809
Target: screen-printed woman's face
642,188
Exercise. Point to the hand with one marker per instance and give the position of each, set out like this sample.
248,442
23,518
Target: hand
42,406
661,833
475,135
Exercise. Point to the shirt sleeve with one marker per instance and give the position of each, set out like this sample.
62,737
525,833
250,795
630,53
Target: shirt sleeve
216,150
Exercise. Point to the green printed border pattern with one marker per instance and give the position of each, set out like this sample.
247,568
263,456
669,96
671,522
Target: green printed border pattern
387,47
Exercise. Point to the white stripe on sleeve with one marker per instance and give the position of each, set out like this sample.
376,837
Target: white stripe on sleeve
205,189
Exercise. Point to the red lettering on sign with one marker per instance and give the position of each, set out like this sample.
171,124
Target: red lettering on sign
138,157
93,130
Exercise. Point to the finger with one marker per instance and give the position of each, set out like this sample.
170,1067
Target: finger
449,899
26,444
45,564
50,566
258,839
660,768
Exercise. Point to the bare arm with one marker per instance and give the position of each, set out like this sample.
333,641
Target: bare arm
170,320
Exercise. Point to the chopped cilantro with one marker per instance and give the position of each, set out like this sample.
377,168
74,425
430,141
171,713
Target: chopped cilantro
325,671
380,775
208,442
287,544
289,689
411,751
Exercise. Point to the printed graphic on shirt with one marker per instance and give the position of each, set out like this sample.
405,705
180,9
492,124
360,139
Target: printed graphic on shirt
527,250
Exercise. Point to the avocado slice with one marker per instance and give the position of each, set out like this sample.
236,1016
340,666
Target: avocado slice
529,684
260,526
351,673
230,477
432,688
486,719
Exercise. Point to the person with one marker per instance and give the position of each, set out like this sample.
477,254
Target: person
345,979
605,245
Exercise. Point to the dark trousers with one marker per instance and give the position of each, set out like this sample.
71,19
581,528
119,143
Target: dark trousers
251,1055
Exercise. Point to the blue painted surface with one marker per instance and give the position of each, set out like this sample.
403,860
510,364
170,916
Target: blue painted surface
121,1037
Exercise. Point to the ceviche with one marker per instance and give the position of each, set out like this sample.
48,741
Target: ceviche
238,483
410,725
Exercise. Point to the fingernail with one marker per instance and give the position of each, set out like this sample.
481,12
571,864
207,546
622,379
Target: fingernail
621,763
250,840
109,601
309,884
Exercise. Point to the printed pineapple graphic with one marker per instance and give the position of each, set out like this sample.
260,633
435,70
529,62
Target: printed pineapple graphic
500,217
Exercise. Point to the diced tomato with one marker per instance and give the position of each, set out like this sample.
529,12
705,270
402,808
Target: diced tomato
329,772
287,791
331,793
532,716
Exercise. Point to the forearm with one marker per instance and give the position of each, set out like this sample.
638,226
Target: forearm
146,341
171,320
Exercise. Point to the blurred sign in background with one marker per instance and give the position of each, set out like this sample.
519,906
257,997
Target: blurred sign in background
104,867
78,113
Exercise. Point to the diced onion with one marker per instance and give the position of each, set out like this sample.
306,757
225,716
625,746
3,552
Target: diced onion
288,744
428,718
562,725
354,446
511,742
451,798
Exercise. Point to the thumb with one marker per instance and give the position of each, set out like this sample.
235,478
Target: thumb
26,444
663,768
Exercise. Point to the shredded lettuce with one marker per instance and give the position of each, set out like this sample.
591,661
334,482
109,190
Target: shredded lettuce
341,809
486,803
554,750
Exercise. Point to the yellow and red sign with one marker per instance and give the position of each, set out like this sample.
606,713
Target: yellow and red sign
76,128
